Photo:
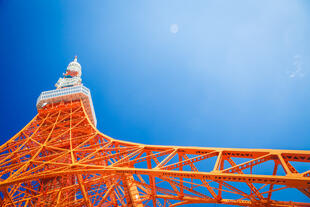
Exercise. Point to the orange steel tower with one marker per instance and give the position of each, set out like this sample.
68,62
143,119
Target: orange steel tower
60,159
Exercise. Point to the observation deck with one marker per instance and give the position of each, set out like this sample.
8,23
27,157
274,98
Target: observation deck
68,94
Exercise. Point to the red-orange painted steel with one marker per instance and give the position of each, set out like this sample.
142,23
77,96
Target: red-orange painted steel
61,159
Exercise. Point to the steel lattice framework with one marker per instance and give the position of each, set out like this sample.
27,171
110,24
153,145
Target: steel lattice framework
61,159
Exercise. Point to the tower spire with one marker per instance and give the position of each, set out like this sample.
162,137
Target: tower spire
72,77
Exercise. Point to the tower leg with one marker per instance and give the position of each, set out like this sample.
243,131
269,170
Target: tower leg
133,193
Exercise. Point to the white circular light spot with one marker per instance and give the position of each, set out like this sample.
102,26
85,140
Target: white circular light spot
174,28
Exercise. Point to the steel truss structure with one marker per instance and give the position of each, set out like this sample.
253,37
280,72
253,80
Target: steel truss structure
61,159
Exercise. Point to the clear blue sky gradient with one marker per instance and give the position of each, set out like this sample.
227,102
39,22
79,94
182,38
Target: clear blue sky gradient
236,74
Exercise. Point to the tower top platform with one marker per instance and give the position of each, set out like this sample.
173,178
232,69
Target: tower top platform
70,88
68,94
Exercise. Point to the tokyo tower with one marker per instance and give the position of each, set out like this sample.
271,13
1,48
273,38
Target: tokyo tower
60,159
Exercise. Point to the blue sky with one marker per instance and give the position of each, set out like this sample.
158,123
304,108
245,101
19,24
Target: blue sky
194,73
